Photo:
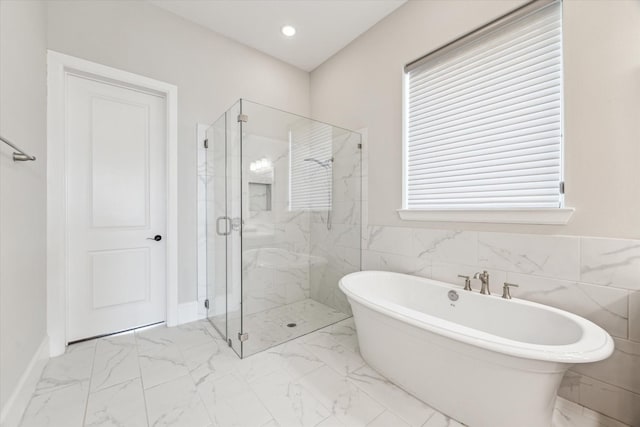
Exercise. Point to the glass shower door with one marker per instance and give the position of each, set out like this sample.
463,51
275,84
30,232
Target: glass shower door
217,226
235,221
224,228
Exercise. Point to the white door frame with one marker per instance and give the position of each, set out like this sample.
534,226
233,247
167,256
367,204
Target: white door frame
58,67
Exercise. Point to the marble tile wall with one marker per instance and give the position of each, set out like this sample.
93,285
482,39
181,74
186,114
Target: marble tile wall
338,247
597,278
275,242
271,238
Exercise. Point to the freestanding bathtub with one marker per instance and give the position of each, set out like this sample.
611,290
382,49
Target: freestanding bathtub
482,360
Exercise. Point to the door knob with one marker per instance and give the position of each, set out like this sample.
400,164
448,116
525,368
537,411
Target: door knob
157,238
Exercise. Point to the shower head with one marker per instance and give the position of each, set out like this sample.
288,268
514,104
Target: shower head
324,164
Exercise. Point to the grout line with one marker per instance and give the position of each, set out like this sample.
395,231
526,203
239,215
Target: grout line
294,381
381,414
88,395
199,396
264,405
387,408
144,394
607,383
629,316
580,260
193,383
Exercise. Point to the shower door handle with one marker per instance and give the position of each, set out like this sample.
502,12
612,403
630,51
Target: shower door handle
227,228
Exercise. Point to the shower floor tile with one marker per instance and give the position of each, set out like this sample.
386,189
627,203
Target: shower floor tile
270,327
298,383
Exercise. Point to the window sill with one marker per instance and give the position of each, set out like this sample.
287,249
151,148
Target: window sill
497,216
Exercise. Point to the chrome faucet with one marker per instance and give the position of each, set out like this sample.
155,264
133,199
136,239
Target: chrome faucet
484,279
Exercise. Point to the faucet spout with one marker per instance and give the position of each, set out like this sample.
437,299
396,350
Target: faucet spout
484,279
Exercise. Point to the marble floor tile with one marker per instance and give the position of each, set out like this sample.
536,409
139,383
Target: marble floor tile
332,421
72,367
230,402
387,419
176,403
291,357
258,365
569,414
441,420
289,401
194,334
188,376
120,405
160,366
329,351
60,407
116,361
271,423
343,333
411,410
117,340
154,339
348,403
211,360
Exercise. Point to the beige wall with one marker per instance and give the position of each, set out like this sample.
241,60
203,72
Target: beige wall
361,87
211,73
22,188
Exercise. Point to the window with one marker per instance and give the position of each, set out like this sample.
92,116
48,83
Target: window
311,166
483,122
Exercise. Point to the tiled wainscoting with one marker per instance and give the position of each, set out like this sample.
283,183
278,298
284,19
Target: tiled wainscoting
596,278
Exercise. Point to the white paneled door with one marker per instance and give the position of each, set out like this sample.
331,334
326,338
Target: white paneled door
116,207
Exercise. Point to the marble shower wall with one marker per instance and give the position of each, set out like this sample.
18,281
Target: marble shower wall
275,241
336,251
596,278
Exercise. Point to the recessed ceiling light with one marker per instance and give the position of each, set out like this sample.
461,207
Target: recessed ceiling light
288,31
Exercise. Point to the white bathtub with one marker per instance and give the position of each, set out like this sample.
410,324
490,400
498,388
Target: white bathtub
482,360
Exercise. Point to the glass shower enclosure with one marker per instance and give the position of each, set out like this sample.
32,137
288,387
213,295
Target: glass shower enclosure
283,224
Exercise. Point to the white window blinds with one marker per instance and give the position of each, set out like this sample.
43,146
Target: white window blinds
484,118
311,165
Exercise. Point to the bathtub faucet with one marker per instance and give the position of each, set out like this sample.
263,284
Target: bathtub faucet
484,279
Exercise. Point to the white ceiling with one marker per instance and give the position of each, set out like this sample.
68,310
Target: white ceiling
323,26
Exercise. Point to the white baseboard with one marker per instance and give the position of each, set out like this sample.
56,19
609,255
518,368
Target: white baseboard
189,312
19,399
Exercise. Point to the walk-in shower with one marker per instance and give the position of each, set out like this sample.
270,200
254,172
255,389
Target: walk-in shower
283,224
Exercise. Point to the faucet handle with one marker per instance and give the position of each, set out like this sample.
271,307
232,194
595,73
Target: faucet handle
505,289
467,282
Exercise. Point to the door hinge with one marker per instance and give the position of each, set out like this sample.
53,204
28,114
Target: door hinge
243,337
360,145
206,304
230,342
206,143
243,118
561,187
